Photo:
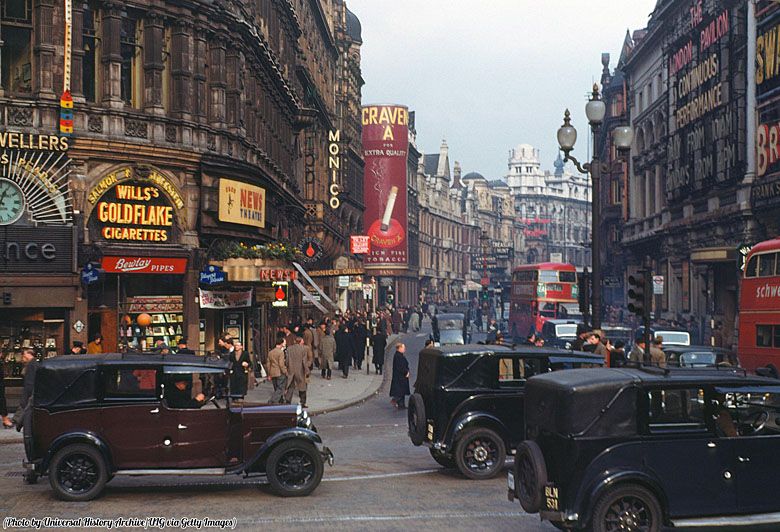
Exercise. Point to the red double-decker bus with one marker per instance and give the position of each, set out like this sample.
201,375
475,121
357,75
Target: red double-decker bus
541,292
759,307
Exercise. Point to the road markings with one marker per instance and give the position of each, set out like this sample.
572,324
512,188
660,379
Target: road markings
405,517
381,475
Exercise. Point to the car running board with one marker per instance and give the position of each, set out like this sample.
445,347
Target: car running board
214,471
730,521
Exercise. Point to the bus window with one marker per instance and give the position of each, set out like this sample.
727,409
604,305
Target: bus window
548,310
546,276
752,267
568,277
763,335
766,265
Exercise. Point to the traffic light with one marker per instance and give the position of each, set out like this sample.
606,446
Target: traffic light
485,295
583,292
641,293
281,293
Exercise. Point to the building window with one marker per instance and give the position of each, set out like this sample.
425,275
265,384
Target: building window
89,43
16,36
131,71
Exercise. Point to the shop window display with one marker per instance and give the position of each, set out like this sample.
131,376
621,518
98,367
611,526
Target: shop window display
42,331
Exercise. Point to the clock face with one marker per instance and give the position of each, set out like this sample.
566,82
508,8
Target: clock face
11,202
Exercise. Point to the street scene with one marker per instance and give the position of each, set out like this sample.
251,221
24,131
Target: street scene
342,264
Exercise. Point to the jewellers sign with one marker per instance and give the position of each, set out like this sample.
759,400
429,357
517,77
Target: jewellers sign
149,265
36,250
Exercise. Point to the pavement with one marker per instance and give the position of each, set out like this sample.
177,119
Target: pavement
323,395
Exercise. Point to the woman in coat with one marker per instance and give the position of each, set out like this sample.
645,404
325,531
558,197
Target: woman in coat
379,341
399,386
344,350
239,369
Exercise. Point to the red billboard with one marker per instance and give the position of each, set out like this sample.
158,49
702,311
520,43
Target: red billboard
385,147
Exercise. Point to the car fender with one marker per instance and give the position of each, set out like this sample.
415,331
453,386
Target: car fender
283,435
586,498
471,419
69,438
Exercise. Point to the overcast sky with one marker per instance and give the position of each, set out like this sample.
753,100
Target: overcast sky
488,75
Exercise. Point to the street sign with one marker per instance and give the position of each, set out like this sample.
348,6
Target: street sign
556,257
658,285
343,281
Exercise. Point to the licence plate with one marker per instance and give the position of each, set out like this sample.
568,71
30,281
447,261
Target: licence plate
551,498
510,480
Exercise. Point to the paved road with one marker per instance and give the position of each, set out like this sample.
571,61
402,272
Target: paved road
380,482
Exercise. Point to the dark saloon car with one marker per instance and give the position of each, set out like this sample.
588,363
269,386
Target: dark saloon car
468,401
698,356
450,329
98,416
559,333
644,449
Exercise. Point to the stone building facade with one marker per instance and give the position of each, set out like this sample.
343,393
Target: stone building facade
552,208
689,208
200,131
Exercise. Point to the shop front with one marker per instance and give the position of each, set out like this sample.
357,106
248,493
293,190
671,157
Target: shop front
144,295
39,288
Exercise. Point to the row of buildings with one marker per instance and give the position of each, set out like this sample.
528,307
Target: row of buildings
699,86
175,160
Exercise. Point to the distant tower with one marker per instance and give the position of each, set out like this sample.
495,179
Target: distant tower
559,166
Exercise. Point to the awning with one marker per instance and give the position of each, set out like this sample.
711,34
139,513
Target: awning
316,287
721,254
471,286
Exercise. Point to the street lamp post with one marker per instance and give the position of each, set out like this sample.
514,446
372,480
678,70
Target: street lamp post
622,137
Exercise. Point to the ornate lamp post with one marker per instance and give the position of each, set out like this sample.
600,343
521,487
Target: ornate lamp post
622,137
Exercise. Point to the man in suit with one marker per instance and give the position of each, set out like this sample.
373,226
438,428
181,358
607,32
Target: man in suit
298,370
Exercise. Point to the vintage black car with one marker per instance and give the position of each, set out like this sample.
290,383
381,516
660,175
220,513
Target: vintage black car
559,333
99,416
468,401
698,356
450,329
648,448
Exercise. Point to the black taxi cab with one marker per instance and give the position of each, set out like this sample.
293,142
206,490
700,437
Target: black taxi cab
468,402
649,448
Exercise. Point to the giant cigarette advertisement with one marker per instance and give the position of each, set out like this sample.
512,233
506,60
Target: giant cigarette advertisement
385,145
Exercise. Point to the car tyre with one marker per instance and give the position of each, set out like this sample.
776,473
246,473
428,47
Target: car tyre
416,419
480,453
294,468
530,476
443,459
78,472
627,507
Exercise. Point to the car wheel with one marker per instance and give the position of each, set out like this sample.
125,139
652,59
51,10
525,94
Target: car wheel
294,468
443,459
627,508
480,453
530,476
416,419
78,473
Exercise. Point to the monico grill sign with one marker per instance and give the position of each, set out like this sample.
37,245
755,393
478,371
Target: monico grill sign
132,208
704,146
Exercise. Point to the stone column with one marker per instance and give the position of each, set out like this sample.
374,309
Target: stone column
111,57
217,82
44,50
154,36
200,57
181,70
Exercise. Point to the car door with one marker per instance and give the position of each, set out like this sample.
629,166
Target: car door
133,423
200,436
683,453
757,465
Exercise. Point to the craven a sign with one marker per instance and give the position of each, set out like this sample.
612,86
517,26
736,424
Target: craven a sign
241,203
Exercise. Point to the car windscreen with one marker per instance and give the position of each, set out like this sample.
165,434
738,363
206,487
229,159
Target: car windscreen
451,336
694,359
451,324
675,337
566,330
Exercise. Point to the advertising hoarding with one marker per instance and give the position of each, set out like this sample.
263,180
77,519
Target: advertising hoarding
385,147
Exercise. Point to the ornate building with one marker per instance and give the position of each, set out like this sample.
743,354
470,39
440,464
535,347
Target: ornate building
553,209
202,134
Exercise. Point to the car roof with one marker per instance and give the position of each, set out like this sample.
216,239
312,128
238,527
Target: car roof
450,316
65,362
618,377
695,348
449,351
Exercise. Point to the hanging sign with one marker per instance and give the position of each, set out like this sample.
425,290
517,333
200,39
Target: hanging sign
281,294
311,249
212,275
90,274
360,244
240,203
223,299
